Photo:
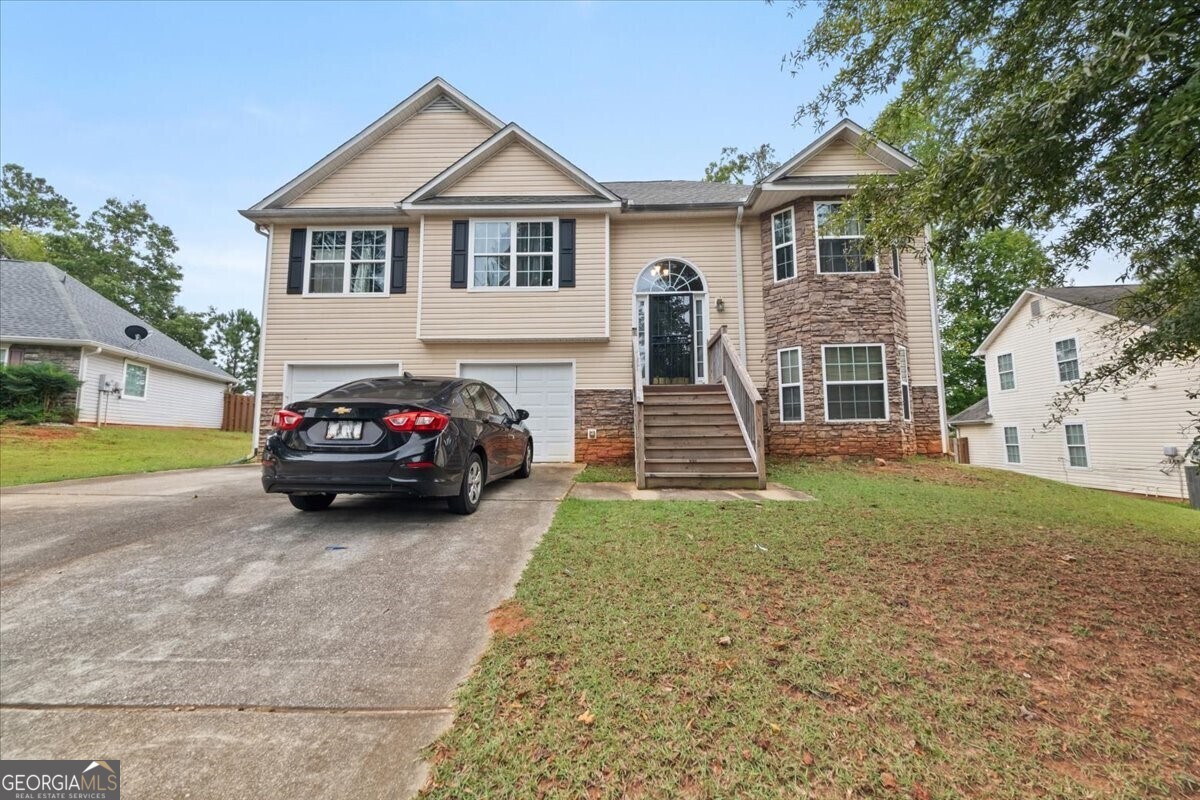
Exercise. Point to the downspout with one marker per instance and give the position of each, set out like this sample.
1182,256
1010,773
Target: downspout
741,289
937,342
269,233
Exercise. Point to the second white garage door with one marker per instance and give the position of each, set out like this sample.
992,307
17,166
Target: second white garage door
308,380
547,392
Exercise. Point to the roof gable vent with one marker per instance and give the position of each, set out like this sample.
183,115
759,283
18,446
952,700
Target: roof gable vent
443,103
1035,308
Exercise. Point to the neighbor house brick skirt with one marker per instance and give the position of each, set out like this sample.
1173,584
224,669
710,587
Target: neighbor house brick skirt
271,402
608,412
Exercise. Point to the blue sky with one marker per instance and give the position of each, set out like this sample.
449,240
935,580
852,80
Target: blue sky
200,109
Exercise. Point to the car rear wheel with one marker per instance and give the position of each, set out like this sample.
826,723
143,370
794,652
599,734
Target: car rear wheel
311,502
471,490
527,463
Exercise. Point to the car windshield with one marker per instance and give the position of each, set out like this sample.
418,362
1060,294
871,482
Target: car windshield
390,390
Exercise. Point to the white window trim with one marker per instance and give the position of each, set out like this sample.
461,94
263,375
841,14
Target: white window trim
125,380
1004,436
905,381
897,272
817,249
1087,445
825,383
775,247
4,356
512,256
1000,373
387,261
779,375
1078,360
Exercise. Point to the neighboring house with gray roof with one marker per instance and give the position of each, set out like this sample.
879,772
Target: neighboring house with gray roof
1115,440
48,316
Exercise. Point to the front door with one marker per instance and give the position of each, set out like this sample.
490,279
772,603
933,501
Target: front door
672,339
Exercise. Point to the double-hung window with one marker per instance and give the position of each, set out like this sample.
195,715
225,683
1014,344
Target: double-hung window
1004,366
348,261
840,244
1066,352
1012,446
905,391
895,261
1077,451
791,389
783,233
134,385
512,254
855,383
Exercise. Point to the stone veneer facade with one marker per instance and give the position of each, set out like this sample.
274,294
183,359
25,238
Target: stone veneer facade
66,357
814,309
610,413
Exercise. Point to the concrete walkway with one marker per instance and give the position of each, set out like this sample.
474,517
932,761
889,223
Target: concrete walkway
222,644
629,491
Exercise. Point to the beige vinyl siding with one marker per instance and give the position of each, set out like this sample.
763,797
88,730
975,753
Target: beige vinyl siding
839,157
757,359
404,159
1126,430
173,399
515,170
513,314
919,312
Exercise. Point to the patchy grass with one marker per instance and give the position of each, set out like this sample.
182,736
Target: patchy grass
606,473
33,454
921,631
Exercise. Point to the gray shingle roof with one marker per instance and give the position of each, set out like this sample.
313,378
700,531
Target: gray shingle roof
976,412
679,193
1105,299
40,301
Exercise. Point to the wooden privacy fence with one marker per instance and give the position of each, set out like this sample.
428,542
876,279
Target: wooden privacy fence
239,413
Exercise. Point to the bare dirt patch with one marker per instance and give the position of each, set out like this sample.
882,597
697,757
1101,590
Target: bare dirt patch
35,433
508,619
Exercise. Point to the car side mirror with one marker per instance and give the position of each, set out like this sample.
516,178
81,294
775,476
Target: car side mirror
522,415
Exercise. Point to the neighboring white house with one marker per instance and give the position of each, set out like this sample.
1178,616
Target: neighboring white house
1113,440
46,315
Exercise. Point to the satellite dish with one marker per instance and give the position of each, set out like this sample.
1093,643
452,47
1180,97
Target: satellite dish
136,332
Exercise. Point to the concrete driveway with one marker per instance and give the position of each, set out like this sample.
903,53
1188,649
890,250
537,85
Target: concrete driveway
221,644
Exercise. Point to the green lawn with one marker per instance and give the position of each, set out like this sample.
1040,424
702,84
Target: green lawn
33,454
603,473
921,631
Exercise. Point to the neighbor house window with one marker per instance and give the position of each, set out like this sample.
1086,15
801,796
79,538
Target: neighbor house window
352,261
1077,453
840,244
895,262
855,383
1067,354
791,390
783,228
905,391
135,380
512,254
1004,365
1012,446
3,356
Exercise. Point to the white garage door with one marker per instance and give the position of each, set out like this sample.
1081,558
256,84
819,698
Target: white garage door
547,392
307,380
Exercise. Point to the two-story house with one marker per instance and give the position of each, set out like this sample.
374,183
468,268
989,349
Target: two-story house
1130,440
695,325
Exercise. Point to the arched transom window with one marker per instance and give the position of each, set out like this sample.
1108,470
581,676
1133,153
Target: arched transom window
669,275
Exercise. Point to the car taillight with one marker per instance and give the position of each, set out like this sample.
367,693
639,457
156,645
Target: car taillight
286,420
419,421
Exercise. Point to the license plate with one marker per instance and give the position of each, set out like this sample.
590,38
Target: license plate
343,429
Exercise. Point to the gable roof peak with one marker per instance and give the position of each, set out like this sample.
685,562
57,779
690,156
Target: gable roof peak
846,128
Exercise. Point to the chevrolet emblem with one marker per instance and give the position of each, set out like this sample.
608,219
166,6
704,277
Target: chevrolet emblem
341,410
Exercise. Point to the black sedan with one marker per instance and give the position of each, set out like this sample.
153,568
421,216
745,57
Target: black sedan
422,437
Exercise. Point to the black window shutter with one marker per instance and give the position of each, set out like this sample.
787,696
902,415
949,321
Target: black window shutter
566,253
399,260
295,281
458,255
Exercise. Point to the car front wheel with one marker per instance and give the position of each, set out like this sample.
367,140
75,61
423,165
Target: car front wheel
527,463
311,502
471,490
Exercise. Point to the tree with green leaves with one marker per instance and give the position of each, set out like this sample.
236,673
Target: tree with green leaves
976,290
1077,120
235,338
30,203
735,166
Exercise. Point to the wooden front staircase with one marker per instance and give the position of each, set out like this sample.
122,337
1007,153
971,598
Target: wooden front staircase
700,436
